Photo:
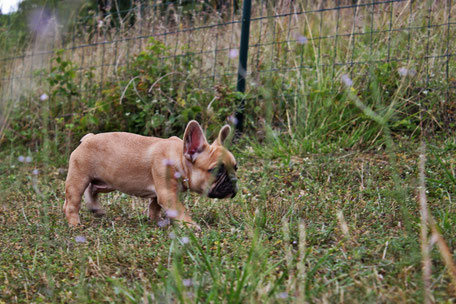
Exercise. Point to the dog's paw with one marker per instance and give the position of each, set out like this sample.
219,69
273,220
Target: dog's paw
74,222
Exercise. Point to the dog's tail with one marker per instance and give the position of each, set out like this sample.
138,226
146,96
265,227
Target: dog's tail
85,136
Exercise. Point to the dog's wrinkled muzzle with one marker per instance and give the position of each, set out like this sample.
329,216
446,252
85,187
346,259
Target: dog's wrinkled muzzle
225,186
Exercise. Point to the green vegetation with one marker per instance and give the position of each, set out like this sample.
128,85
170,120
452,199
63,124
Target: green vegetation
328,209
279,240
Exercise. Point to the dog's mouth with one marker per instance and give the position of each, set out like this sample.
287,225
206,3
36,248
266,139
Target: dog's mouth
224,186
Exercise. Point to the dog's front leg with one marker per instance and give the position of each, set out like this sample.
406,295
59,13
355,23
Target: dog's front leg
154,209
174,209
167,194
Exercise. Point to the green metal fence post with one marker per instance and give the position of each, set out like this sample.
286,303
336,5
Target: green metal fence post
242,67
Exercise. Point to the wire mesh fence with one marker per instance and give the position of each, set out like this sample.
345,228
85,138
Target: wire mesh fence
293,44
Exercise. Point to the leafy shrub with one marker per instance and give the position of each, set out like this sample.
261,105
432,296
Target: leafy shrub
153,97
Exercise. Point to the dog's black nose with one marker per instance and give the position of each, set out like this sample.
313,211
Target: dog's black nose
234,194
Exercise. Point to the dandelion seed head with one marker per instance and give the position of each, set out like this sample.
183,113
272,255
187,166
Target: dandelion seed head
28,159
21,159
172,235
187,282
35,172
177,175
185,240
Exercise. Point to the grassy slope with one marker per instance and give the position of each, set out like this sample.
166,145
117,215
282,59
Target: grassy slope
251,248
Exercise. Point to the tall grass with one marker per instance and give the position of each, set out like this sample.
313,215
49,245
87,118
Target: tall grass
398,53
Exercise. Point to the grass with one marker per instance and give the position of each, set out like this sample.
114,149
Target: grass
295,66
319,228
328,209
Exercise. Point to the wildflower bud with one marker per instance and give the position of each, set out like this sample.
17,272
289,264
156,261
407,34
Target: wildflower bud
44,97
187,282
163,223
406,72
282,295
232,119
346,80
234,53
172,213
80,239
301,39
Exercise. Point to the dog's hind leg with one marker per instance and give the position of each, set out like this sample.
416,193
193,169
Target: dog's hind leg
74,188
91,198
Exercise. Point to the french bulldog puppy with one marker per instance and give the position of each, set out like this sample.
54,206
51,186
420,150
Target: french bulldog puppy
149,167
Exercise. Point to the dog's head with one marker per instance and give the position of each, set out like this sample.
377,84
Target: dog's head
212,168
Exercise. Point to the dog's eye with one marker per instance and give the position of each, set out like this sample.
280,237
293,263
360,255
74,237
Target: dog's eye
215,169
218,170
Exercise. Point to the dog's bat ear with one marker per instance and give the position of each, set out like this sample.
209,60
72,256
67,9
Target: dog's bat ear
223,134
194,141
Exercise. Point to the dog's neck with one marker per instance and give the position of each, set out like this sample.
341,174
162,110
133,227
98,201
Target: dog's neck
185,180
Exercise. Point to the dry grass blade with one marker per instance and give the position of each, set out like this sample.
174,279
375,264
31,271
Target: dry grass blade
343,224
301,275
425,249
446,255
